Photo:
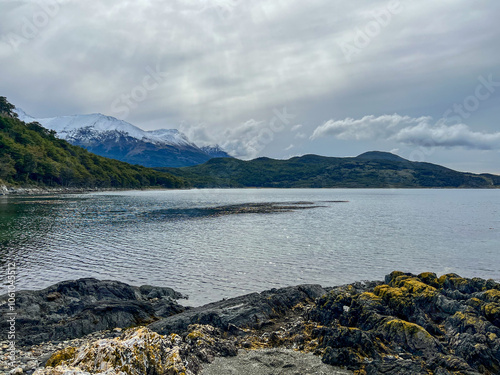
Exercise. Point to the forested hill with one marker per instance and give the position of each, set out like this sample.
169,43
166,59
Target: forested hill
369,170
32,155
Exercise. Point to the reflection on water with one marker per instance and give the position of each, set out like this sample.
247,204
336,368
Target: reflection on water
212,244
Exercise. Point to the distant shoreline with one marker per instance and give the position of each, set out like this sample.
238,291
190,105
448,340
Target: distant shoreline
36,190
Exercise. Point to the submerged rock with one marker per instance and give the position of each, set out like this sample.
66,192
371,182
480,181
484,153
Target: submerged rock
232,209
72,309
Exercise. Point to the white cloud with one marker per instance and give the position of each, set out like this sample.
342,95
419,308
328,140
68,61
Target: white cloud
245,141
296,127
368,127
419,131
442,135
223,61
200,134
300,135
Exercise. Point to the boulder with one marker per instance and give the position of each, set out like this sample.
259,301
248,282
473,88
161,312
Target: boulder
140,351
72,309
254,310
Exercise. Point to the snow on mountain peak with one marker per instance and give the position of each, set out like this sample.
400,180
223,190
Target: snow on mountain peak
23,116
168,135
215,151
74,126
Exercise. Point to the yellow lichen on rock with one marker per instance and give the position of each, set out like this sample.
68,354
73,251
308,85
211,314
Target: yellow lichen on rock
61,357
138,351
492,311
395,274
387,292
413,285
200,334
370,300
468,322
369,296
410,336
407,327
492,337
404,291
475,303
430,278
453,280
492,295
396,298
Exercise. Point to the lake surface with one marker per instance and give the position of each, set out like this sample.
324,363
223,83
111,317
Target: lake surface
174,239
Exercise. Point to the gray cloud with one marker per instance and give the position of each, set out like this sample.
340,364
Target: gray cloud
441,135
407,130
225,62
246,140
216,67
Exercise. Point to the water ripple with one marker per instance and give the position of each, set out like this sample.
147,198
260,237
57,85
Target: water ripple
213,244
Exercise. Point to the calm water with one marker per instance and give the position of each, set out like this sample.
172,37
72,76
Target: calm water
165,238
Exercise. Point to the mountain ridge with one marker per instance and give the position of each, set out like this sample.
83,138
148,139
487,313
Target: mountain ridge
382,155
31,155
117,139
67,126
23,162
373,169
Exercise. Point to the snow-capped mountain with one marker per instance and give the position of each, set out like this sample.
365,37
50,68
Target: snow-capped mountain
215,151
96,124
117,139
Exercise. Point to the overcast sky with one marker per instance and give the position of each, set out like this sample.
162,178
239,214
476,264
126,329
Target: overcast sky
273,78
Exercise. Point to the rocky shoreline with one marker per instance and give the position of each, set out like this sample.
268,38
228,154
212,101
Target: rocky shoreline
406,324
33,190
41,191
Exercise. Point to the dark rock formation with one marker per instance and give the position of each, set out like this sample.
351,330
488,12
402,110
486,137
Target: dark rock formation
412,325
73,309
409,324
254,310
